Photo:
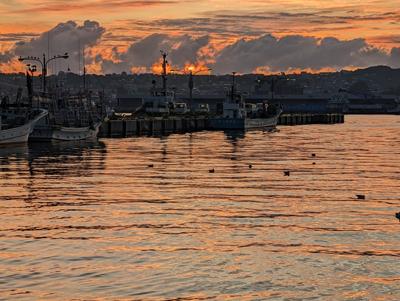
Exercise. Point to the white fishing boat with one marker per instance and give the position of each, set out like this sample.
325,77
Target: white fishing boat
71,117
16,123
161,101
46,132
234,114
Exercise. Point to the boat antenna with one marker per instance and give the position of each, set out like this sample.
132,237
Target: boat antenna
164,71
48,54
273,82
233,86
79,59
84,68
48,44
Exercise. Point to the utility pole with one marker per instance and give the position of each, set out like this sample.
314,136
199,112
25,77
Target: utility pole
191,82
191,86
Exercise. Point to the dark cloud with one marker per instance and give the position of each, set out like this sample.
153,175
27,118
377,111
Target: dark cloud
213,26
232,23
145,52
6,57
245,55
298,52
187,50
395,57
65,37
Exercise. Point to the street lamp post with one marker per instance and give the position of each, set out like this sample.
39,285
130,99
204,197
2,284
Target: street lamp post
43,63
191,83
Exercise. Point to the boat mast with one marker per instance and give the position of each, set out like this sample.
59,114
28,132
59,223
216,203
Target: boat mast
84,68
164,71
233,90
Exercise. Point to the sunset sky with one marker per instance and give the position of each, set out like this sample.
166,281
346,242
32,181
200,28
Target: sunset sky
248,36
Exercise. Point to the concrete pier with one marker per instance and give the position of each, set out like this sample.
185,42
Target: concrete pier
300,119
176,124
131,128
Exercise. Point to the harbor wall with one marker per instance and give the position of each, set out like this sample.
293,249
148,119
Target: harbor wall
164,126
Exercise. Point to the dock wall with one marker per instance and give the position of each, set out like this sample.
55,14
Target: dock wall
164,126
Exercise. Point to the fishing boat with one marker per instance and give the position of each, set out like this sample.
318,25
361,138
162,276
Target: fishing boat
161,101
17,121
235,114
70,118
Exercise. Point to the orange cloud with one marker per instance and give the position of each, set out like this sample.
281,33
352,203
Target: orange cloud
110,5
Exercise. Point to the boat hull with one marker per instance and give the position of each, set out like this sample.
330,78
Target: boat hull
21,133
243,123
49,133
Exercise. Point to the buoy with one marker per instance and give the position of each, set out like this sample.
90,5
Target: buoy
286,173
360,196
250,166
211,170
397,215
150,165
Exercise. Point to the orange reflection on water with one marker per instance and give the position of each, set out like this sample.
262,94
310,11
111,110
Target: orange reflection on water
94,221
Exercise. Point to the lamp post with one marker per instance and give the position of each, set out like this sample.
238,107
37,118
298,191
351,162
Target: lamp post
43,63
274,80
191,83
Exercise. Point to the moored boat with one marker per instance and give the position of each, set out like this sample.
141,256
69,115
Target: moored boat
234,114
71,117
17,122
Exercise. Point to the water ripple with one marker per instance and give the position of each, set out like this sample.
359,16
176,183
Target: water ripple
144,219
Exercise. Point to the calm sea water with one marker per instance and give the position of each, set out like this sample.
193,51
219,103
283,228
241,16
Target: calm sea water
93,221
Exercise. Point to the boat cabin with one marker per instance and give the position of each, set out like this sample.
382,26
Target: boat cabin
202,108
181,108
159,102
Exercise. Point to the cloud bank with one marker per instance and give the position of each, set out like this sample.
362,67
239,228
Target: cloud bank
65,37
263,53
301,53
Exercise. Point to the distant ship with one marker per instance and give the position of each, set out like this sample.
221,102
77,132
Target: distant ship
17,120
235,114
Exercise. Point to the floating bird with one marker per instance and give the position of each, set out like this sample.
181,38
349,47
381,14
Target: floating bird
313,155
398,215
286,173
151,165
314,163
360,196
211,170
250,166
